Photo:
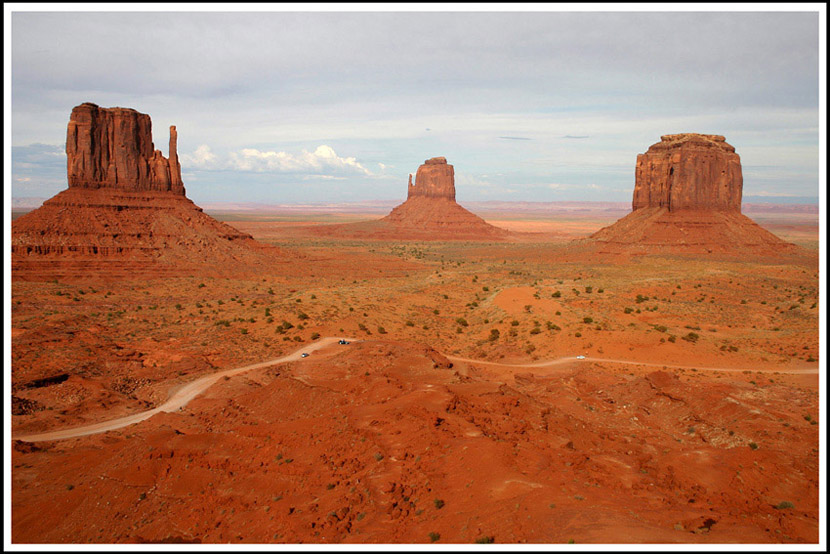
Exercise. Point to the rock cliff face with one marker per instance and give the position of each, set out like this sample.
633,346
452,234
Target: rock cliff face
429,213
687,199
125,212
434,179
689,171
113,148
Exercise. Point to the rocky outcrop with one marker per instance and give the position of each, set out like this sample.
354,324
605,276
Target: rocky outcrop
125,212
113,148
434,179
429,213
687,199
689,171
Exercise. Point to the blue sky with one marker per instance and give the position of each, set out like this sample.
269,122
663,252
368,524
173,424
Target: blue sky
279,107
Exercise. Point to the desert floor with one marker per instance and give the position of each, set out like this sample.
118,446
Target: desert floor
692,419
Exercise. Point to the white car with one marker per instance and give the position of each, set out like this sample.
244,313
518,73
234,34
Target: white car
304,355
580,357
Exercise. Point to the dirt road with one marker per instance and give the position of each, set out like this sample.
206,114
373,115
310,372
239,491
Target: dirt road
188,392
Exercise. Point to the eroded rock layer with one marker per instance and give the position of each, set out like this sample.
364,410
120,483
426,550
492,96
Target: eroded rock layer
429,213
434,179
125,212
689,171
687,199
113,148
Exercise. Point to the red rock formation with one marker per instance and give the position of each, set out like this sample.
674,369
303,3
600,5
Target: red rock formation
687,199
429,213
689,171
125,210
434,179
113,148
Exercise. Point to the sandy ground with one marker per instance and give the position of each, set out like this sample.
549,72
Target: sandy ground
379,433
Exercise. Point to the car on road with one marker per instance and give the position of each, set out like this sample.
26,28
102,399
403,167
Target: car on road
304,355
342,341
580,357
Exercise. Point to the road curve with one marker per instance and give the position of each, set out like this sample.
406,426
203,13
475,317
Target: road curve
188,392
177,400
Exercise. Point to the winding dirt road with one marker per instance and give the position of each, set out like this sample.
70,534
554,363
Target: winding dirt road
188,392
177,400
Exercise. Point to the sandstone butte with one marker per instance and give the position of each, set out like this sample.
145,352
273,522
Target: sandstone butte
125,209
430,212
687,199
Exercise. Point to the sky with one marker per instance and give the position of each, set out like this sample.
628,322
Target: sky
292,107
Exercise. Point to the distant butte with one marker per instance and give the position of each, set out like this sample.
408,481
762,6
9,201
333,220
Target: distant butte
687,199
125,211
430,212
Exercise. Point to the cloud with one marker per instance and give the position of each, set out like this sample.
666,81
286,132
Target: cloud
323,160
516,138
202,158
576,136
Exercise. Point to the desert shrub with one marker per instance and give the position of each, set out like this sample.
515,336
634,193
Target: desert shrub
785,505
315,336
433,536
438,503
381,330
287,325
587,320
302,315
577,334
627,310
640,298
691,337
461,321
494,335
661,328
753,446
513,332
243,331
435,311
410,324
535,331
589,290
556,294
514,323
486,540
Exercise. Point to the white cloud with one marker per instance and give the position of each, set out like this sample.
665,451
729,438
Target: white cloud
202,158
324,160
